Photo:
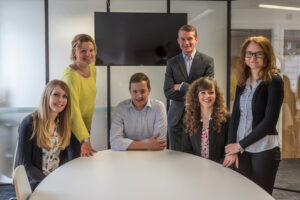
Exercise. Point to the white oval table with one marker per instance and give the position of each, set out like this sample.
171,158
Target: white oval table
146,175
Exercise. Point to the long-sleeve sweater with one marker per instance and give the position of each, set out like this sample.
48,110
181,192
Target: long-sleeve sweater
83,93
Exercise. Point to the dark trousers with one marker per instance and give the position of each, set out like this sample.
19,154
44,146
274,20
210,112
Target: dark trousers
260,167
175,136
74,148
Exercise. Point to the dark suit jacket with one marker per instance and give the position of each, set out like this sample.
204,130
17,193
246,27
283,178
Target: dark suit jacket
30,155
217,142
176,73
266,104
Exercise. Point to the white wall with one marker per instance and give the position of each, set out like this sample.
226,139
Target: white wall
22,52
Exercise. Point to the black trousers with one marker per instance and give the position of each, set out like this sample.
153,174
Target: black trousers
260,167
175,136
74,148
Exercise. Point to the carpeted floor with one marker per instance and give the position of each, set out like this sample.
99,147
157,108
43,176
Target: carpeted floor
7,192
288,177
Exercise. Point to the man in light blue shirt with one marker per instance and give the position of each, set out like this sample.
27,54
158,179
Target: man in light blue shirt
139,123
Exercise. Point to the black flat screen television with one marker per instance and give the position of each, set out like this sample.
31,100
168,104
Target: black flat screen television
137,38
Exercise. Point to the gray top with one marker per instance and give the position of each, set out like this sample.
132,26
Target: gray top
130,125
246,119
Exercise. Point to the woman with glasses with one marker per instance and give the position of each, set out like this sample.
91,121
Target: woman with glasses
44,135
206,120
253,142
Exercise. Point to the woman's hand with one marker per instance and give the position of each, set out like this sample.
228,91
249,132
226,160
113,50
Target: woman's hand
87,149
233,148
230,159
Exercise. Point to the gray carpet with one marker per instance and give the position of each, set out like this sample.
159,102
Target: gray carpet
288,177
7,192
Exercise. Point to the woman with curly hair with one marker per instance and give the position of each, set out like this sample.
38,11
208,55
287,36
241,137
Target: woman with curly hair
206,120
252,137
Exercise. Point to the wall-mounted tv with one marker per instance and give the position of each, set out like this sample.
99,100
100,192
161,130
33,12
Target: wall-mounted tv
137,38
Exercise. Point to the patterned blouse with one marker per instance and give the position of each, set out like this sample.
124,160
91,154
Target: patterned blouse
51,157
205,141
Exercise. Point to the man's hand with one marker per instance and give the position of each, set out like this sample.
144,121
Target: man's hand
176,87
87,149
155,144
233,148
230,159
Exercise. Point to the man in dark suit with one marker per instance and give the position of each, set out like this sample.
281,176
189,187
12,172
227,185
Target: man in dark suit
181,71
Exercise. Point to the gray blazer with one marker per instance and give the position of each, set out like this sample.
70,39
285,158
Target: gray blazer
176,73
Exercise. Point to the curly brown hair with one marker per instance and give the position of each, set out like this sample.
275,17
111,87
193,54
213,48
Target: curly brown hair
193,108
269,68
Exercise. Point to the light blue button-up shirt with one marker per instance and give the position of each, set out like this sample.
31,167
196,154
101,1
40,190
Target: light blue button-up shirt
246,120
130,125
188,61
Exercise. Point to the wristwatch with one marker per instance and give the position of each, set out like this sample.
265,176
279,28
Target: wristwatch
85,140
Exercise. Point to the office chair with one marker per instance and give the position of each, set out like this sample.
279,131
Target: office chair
15,160
14,167
22,186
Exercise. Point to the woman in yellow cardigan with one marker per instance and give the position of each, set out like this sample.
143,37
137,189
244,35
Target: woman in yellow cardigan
80,76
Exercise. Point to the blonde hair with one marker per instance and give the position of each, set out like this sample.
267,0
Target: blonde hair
193,108
41,118
78,40
269,68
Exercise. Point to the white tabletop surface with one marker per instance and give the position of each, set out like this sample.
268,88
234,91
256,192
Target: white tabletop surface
146,175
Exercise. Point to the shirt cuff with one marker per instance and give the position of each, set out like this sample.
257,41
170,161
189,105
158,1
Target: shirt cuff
241,150
181,84
121,145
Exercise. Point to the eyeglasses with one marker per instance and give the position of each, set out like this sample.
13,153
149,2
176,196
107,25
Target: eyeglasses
259,54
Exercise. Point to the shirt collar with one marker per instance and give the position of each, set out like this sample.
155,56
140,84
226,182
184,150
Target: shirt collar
147,105
256,83
192,55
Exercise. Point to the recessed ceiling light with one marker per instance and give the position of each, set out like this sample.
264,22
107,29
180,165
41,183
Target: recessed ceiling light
278,7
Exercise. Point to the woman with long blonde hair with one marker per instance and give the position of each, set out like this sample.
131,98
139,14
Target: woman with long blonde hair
206,120
44,135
